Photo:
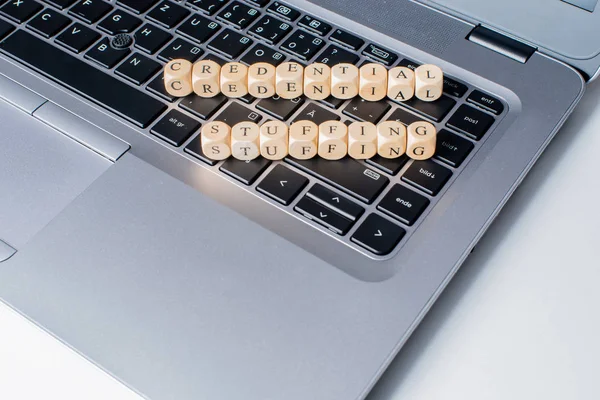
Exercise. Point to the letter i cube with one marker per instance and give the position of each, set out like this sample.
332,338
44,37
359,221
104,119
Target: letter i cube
362,140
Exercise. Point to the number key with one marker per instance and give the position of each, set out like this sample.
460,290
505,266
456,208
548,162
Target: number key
270,29
303,44
238,14
208,6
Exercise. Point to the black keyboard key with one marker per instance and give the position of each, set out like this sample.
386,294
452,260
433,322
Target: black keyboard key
317,114
157,86
314,24
60,4
271,29
403,116
230,43
323,216
303,44
235,113
5,28
450,85
486,102
281,109
369,111
282,184
336,55
119,22
90,11
195,149
179,48
378,235
213,57
283,11
198,28
203,107
20,10
104,54
84,79
436,110
77,37
238,14
262,53
452,149
208,6
346,174
427,176
150,38
388,165
332,102
377,53
403,204
137,6
48,23
168,14
175,128
470,121
245,171
336,202
138,68
347,39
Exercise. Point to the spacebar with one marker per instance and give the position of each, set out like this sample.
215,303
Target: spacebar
82,78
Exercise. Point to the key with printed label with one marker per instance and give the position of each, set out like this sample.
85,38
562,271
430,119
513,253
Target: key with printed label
427,176
271,29
317,114
62,4
280,108
77,37
175,128
347,39
303,44
336,202
208,6
403,204
452,149
486,102
262,53
137,68
471,122
282,184
238,14
168,14
201,107
119,22
283,11
314,24
451,86
346,174
180,48
333,55
104,54
230,43
380,54
90,11
150,38
198,28
388,165
20,11
324,216
48,23
369,111
378,235
235,113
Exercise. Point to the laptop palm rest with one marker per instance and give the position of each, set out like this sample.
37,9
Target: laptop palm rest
183,298
41,171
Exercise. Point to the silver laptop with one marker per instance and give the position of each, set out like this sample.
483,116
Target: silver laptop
187,278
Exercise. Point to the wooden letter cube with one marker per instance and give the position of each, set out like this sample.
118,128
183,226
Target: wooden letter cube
401,84
205,78
274,140
391,139
304,136
261,80
420,141
429,82
317,81
373,82
333,140
344,81
362,140
178,78
245,141
216,140
288,80
234,80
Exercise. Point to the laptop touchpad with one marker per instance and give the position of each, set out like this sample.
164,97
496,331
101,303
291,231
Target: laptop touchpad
41,171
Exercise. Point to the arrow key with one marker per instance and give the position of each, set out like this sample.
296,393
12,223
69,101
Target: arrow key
324,216
378,235
339,204
282,184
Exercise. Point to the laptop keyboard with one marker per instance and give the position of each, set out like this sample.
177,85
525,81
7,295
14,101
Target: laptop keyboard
112,53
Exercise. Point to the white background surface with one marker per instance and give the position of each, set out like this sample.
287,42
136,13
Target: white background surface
521,320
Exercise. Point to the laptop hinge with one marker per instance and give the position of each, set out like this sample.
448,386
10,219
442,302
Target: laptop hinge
502,44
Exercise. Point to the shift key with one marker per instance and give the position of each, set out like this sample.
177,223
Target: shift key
346,174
